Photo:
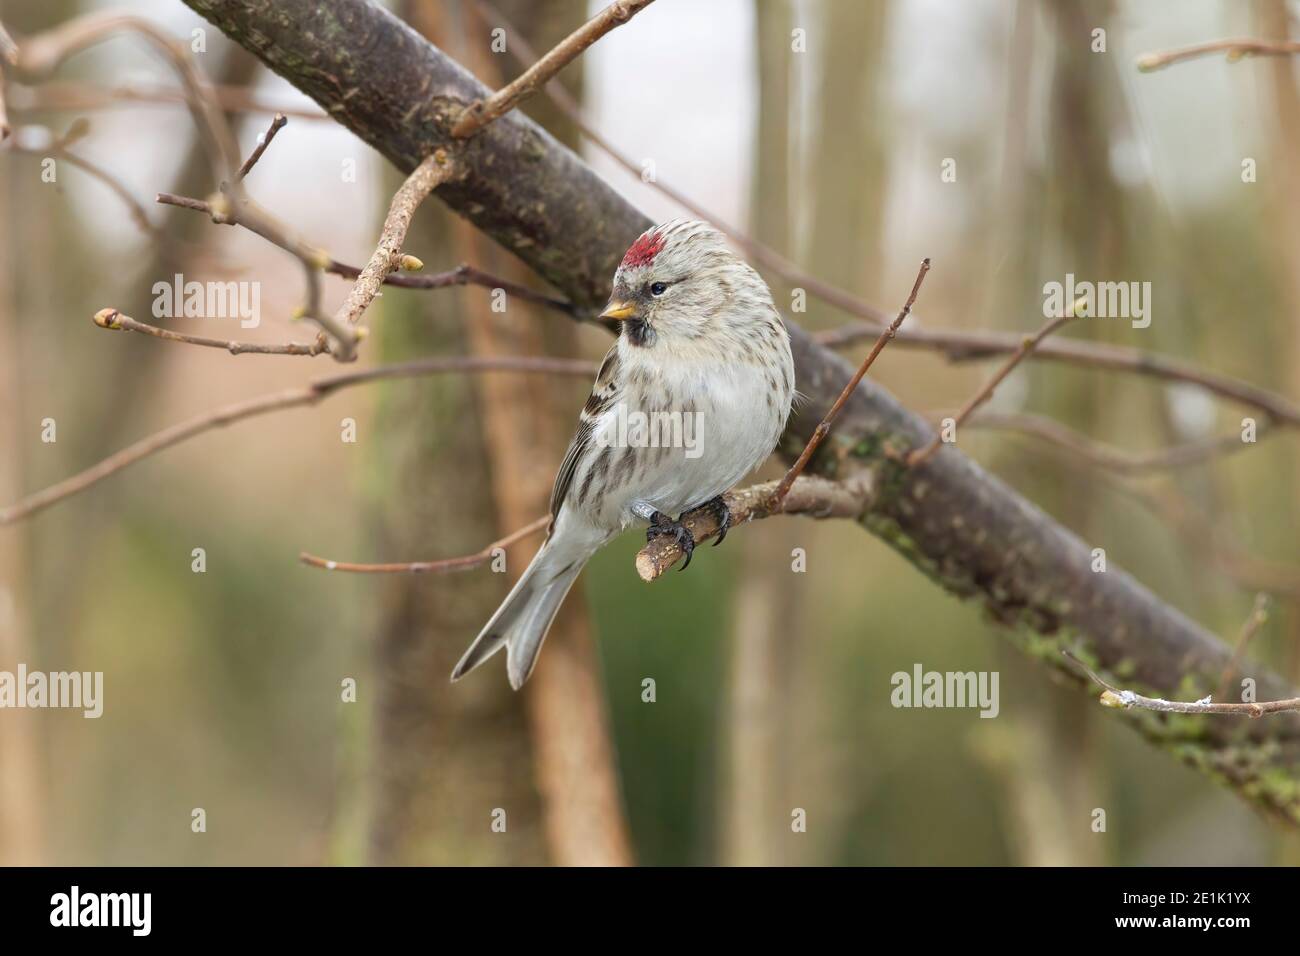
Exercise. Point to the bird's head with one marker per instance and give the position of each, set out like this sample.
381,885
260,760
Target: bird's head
679,281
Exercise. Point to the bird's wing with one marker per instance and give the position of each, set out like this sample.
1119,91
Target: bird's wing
603,394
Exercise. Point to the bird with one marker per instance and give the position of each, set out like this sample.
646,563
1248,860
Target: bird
693,395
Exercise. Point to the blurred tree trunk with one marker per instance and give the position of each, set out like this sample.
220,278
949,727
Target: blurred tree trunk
443,758
529,422
22,830
766,604
848,154
1275,24
843,182
35,583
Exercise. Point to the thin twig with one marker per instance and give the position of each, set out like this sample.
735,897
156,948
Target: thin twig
230,207
308,394
1108,456
482,112
41,55
1234,50
118,321
463,274
809,495
463,563
918,456
387,258
820,432
262,143
1190,523
1128,700
80,97
58,151
1249,628
963,346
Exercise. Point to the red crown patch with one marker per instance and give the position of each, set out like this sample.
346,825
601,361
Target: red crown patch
644,250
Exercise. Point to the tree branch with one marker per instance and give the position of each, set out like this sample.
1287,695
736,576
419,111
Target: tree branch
1128,700
482,112
387,258
263,142
965,529
919,455
442,566
81,97
308,394
964,346
824,426
1108,456
463,274
120,322
808,495
1233,49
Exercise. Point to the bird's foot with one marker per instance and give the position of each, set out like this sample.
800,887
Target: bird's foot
717,508
661,525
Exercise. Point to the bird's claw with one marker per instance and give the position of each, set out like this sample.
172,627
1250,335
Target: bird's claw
661,525
718,508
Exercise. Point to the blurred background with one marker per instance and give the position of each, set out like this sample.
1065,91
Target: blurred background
222,689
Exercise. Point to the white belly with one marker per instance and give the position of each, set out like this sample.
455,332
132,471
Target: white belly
683,456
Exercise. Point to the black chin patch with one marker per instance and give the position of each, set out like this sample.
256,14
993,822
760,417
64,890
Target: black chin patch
637,332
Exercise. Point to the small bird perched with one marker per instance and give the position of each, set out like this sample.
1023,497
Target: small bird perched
703,355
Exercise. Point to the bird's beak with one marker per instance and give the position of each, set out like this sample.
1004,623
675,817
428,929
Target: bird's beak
619,311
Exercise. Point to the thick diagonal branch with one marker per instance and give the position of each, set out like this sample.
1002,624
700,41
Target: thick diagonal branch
962,527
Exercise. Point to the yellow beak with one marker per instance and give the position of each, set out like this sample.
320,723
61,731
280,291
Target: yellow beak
619,311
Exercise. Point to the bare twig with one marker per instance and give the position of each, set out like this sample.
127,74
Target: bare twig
463,563
58,150
81,97
918,456
481,113
825,426
463,274
1249,628
1128,700
387,258
308,394
262,143
1108,456
963,346
809,495
1234,50
117,321
42,54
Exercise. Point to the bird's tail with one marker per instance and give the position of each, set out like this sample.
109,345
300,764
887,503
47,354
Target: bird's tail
521,622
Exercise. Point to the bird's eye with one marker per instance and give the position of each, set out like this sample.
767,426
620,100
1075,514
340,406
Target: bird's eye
658,288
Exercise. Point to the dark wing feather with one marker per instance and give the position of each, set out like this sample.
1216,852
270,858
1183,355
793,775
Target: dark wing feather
603,394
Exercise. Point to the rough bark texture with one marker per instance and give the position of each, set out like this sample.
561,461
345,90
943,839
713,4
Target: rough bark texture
965,529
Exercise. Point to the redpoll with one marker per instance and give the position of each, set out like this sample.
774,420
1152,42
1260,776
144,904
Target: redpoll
692,396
